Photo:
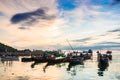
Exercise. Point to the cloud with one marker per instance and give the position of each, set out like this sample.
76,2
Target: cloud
28,14
115,30
23,28
99,47
95,47
82,40
116,2
29,18
11,7
109,43
109,39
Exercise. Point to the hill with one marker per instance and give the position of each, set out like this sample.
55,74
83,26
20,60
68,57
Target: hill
6,48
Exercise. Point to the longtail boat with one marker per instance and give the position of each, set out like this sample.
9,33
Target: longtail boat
77,60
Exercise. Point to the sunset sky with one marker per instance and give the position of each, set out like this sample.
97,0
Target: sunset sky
47,24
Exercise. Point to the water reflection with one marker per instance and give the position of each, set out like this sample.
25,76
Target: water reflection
22,78
51,64
72,65
102,65
73,68
7,63
36,63
47,65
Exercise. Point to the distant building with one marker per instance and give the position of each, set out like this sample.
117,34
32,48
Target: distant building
37,53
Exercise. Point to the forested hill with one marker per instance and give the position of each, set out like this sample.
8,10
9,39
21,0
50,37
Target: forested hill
6,48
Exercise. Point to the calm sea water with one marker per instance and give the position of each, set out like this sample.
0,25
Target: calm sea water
17,70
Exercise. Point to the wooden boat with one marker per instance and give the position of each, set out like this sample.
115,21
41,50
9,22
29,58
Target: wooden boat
26,59
57,60
103,58
73,64
40,60
36,63
78,60
87,56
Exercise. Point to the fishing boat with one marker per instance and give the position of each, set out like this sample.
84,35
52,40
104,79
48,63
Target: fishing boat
77,60
57,60
26,59
103,59
87,54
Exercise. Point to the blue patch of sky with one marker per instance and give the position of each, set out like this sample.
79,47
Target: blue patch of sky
112,13
67,4
115,9
107,4
101,2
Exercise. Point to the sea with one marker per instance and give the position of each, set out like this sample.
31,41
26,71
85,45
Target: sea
17,70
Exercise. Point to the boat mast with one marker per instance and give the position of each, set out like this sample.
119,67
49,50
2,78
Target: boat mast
70,45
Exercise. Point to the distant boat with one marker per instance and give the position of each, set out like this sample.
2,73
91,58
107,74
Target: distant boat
9,58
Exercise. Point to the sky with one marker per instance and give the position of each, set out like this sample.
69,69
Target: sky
50,24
